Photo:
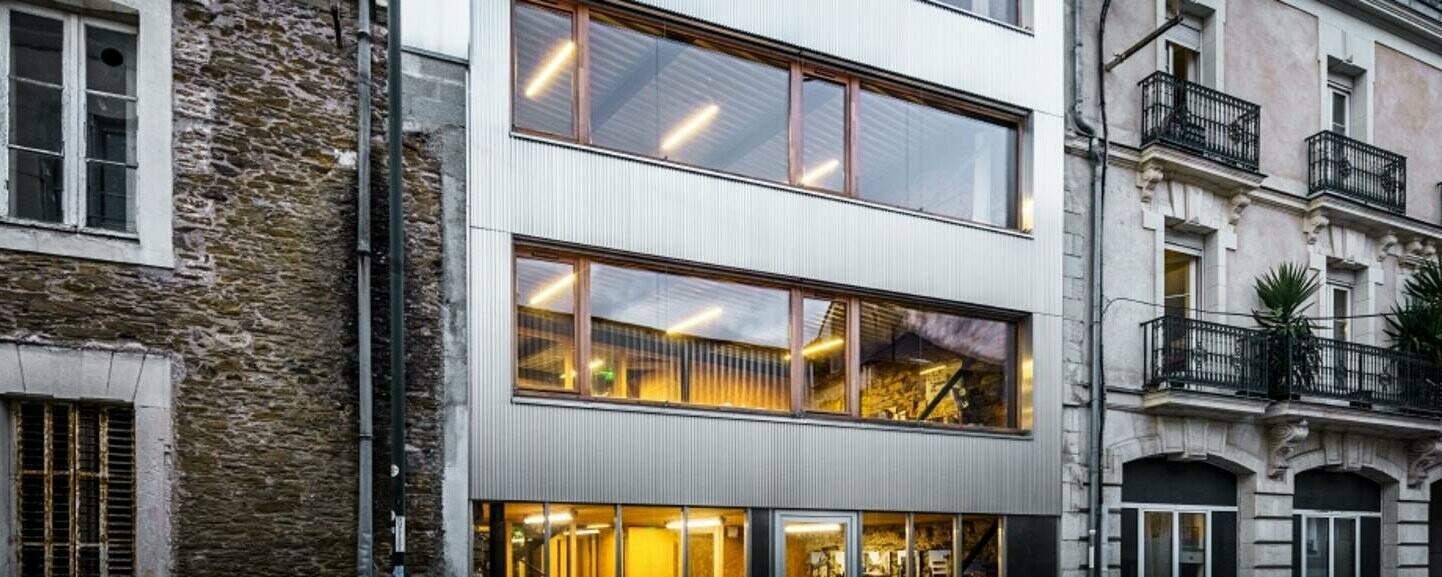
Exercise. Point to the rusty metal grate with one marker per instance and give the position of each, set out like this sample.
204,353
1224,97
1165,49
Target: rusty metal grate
75,489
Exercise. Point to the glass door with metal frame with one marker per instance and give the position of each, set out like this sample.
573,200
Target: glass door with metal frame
1331,545
1175,543
816,544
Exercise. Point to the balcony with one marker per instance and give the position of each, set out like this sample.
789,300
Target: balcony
1202,121
1211,358
1357,171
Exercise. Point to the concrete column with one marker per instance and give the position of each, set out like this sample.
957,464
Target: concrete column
1264,527
1404,530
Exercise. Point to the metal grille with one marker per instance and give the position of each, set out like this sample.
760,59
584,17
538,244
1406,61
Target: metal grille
1207,122
1358,171
75,489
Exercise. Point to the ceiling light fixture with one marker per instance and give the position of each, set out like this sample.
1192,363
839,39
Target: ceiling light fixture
552,289
554,518
547,73
813,528
810,177
694,320
689,127
704,523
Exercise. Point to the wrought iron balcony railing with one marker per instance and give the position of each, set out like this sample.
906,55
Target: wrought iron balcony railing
1187,353
1199,355
1358,171
1200,120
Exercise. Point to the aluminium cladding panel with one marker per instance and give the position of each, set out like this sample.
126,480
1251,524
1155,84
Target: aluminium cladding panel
528,450
524,187
439,27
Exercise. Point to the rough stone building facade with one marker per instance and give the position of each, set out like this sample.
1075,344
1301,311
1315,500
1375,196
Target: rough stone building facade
224,313
1251,134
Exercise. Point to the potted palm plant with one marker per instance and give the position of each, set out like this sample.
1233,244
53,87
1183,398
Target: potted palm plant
1415,328
1291,349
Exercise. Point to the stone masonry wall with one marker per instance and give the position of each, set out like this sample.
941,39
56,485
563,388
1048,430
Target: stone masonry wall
258,313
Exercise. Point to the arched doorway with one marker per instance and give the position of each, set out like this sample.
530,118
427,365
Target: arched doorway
1179,519
1336,525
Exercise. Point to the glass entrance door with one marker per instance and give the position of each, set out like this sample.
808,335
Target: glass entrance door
816,545
1175,544
1331,546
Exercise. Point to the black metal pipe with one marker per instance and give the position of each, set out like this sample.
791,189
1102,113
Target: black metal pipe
397,289
365,535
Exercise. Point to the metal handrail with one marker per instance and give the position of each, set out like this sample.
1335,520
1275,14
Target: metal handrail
1201,120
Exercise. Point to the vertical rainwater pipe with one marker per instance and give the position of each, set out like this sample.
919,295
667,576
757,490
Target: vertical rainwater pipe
365,536
397,252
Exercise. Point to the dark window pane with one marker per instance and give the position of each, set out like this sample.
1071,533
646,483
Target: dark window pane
920,365
545,325
981,537
109,61
928,159
823,348
675,99
35,186
665,337
35,47
35,113
1002,10
110,129
545,65
823,134
110,200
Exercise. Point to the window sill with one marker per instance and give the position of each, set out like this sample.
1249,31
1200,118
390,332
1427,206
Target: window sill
534,137
519,397
80,242
1004,24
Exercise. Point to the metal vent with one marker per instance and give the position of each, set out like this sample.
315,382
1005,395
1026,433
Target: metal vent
75,489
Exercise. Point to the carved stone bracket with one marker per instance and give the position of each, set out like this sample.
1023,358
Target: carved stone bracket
1236,205
1424,454
1385,244
1148,176
1313,225
1282,442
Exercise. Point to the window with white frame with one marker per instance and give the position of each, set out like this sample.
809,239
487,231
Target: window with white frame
1184,49
1331,544
70,140
1339,93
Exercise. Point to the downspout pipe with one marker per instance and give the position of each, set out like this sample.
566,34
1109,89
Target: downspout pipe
1096,153
365,537
397,252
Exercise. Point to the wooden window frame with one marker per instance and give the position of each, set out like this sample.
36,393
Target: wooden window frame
582,259
798,68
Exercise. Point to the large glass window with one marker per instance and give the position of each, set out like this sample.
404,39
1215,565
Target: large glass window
934,538
662,334
1175,544
1181,283
654,89
545,324
1332,545
110,160
815,547
883,544
657,336
652,541
932,366
702,103
716,542
921,157
37,176
545,67
823,354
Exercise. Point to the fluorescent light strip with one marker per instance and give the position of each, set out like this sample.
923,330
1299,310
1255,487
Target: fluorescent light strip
596,364
694,320
822,346
555,518
695,523
552,289
689,127
931,370
813,528
547,73
819,172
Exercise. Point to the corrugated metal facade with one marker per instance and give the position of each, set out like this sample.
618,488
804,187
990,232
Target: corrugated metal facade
532,450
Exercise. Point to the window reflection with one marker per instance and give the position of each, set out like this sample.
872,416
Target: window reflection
920,365
658,336
1157,544
545,65
545,324
1002,10
526,532
823,134
923,158
700,103
814,548
583,541
981,538
823,350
